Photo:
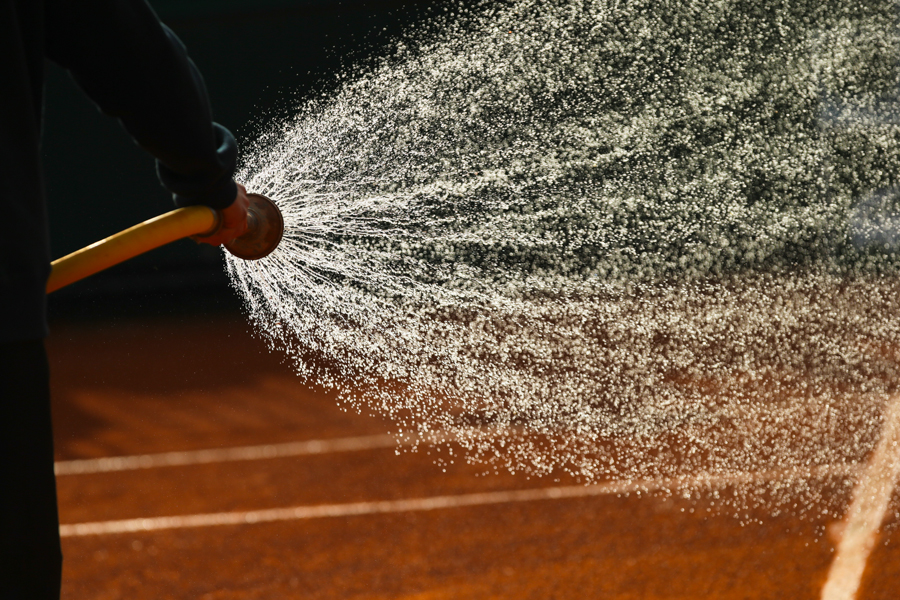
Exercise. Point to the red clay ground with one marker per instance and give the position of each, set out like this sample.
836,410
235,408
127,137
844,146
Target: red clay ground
172,385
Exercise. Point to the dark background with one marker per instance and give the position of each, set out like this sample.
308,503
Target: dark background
260,59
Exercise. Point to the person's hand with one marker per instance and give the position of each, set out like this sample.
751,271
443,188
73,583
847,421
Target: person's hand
234,221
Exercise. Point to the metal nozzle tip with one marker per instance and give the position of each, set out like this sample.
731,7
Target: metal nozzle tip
265,226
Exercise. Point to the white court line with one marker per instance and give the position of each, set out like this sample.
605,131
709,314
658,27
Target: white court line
440,502
197,457
871,498
216,455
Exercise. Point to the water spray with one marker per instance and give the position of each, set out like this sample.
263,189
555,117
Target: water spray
265,227
627,240
630,240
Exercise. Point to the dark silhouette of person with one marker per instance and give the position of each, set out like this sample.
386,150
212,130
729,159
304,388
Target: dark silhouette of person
137,71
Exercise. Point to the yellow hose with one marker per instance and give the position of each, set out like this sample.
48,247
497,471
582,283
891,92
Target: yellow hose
158,231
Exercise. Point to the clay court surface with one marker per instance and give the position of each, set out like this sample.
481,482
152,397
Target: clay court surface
366,522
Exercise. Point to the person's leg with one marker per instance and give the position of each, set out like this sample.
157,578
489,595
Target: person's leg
30,554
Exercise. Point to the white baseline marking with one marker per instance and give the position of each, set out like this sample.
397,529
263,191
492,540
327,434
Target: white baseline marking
871,498
197,457
215,455
440,502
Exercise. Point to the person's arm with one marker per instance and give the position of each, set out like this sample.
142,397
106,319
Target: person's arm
135,69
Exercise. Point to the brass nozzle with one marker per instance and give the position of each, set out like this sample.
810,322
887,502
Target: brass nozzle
265,227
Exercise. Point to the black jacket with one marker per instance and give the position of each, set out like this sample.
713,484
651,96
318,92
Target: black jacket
134,69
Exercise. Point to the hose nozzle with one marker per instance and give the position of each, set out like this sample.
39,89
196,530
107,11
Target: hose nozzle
265,227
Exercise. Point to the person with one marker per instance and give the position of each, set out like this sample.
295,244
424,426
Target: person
136,70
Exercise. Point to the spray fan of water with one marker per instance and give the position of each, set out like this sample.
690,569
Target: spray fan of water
619,239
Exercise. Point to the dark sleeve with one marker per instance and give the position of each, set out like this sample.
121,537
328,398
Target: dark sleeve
135,69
